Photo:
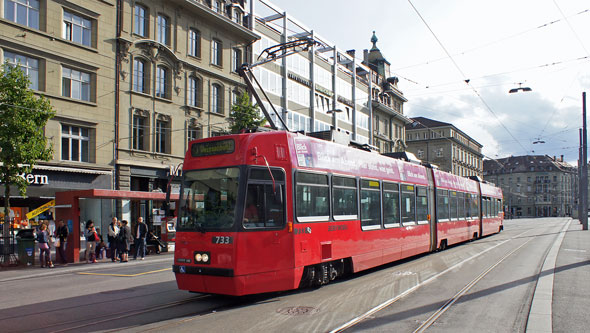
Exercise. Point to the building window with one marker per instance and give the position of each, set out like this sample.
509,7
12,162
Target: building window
194,92
25,12
141,21
139,132
29,65
236,59
439,152
162,134
216,98
75,84
140,82
75,143
194,133
216,6
420,153
77,29
163,30
216,52
162,81
194,48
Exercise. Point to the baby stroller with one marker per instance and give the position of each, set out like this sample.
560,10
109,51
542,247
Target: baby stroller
154,244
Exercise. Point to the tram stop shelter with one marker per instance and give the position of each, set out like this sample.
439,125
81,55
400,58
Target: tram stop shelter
67,208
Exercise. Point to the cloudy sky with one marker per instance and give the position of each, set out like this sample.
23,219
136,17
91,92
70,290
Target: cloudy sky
543,44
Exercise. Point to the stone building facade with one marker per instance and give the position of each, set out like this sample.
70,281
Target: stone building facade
177,78
534,185
445,145
67,50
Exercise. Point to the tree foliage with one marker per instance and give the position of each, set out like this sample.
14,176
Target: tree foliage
244,116
23,117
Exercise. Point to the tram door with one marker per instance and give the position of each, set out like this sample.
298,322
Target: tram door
432,210
265,239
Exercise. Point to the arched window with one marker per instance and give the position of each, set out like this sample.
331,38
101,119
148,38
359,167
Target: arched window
140,76
162,82
194,92
216,98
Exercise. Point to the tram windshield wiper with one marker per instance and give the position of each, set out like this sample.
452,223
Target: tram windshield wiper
199,227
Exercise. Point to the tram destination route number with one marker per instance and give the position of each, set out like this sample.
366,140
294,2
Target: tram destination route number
222,240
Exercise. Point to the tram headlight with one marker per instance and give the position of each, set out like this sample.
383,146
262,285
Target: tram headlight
202,257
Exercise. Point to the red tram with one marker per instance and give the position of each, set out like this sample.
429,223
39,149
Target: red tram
272,211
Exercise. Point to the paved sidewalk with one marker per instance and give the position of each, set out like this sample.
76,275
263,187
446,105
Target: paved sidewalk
571,286
23,272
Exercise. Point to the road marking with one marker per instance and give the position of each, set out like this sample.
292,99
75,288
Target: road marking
127,275
414,288
574,250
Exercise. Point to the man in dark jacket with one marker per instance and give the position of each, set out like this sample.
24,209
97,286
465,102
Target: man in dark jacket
61,233
112,237
140,236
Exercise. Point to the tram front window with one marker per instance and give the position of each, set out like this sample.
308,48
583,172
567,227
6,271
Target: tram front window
208,199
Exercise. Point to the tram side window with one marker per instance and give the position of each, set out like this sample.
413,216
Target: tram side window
501,207
408,204
421,204
391,216
474,205
264,206
442,205
344,193
467,199
454,205
312,197
461,205
485,207
370,204
496,207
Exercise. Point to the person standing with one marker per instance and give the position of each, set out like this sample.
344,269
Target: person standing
112,237
44,252
91,237
61,235
140,243
125,238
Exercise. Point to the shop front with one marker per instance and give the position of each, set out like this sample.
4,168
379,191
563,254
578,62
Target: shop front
44,181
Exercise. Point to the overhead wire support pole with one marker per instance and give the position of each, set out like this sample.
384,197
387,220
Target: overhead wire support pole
584,165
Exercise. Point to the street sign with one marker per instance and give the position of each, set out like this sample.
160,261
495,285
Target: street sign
40,210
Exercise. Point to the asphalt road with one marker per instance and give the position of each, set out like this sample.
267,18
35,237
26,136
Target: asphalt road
486,285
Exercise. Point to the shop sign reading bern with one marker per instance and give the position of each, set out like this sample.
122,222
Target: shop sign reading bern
35,179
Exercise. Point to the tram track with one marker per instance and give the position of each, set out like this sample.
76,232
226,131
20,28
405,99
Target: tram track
115,316
450,302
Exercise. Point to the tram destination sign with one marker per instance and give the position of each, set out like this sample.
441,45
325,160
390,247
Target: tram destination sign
209,148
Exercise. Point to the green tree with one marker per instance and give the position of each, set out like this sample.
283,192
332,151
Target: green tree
244,116
23,116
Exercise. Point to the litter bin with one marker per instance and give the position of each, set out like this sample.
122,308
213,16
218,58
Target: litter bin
26,247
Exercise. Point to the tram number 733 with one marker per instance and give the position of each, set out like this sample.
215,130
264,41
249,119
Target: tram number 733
223,240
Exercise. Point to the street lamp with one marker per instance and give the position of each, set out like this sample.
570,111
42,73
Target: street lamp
520,88
334,112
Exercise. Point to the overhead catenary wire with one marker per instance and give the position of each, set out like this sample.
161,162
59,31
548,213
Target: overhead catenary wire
488,107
